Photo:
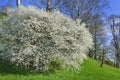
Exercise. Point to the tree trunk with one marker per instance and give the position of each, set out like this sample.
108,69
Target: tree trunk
102,62
117,62
48,8
17,3
90,53
102,58
95,42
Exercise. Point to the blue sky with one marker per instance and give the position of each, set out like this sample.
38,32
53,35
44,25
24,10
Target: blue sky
114,4
114,7
12,2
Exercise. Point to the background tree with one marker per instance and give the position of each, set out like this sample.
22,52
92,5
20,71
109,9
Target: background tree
104,50
91,13
114,24
97,31
49,5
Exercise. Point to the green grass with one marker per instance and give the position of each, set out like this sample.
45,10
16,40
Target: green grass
90,70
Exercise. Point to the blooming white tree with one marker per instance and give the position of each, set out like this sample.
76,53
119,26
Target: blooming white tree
33,38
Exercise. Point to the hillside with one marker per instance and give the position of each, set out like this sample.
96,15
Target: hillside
90,71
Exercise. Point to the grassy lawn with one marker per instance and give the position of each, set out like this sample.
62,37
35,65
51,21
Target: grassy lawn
90,70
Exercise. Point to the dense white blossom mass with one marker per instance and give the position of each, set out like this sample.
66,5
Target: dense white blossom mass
33,38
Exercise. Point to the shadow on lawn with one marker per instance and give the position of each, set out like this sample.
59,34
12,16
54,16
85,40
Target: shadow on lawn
7,68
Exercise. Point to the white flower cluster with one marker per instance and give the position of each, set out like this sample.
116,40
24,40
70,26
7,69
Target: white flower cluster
32,38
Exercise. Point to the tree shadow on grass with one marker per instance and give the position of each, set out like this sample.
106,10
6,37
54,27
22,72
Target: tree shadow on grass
7,68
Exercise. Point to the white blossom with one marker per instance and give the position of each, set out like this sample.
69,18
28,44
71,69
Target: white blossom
32,38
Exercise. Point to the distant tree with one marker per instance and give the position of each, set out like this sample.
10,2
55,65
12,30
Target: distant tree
49,5
104,50
98,32
114,24
90,12
83,9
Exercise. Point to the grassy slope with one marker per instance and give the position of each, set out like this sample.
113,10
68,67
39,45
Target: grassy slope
90,71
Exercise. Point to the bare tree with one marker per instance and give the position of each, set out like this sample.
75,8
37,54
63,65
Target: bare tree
89,12
103,57
104,49
114,23
49,5
97,30
86,10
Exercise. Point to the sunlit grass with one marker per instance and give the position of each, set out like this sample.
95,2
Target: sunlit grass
90,70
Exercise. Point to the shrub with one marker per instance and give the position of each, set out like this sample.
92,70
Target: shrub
33,38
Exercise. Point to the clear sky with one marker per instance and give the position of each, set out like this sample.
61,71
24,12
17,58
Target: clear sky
114,7
114,4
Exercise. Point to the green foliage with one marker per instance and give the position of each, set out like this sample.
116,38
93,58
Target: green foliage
55,64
